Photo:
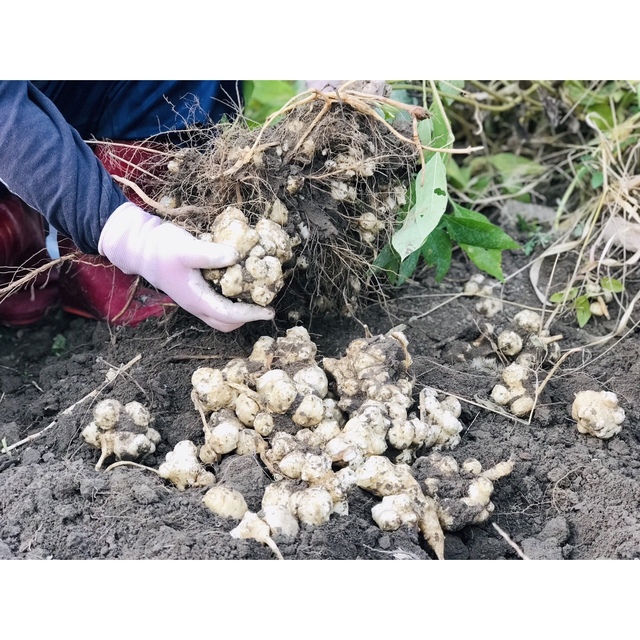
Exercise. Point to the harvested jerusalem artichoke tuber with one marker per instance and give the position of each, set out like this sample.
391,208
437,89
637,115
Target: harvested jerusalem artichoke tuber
597,413
258,277
183,468
462,495
323,431
125,432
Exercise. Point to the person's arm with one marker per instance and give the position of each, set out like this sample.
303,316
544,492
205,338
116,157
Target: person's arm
45,162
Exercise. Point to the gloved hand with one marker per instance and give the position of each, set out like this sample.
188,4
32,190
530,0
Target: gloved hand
170,258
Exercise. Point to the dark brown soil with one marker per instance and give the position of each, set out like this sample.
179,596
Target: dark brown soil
570,496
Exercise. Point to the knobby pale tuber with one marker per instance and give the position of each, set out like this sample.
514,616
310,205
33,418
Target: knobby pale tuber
225,502
263,249
183,468
125,432
462,494
597,413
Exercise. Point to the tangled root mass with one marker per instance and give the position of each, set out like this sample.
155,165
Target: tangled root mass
330,172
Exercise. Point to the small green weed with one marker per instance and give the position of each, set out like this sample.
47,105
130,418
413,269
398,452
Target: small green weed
589,300
59,344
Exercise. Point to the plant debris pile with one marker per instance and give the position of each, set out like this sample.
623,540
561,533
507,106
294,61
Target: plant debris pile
315,192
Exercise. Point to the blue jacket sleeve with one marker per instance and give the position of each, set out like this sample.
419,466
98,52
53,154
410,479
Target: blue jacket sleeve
45,162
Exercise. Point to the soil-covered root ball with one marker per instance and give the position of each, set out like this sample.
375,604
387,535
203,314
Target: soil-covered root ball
325,181
597,413
125,432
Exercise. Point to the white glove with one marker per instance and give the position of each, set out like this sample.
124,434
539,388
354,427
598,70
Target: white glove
170,258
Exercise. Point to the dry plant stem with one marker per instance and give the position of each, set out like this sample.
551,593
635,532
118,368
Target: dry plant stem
21,282
511,543
68,410
203,417
480,405
359,101
180,357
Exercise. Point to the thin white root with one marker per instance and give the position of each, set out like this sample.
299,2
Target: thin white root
511,543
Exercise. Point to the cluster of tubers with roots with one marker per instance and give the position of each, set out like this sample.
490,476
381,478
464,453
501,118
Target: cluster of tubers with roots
308,200
526,347
321,429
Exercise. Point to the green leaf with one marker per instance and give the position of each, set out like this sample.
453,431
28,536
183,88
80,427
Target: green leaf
389,262
430,204
267,97
478,233
487,260
425,131
407,267
450,89
458,176
510,163
559,296
583,310
437,251
597,180
611,284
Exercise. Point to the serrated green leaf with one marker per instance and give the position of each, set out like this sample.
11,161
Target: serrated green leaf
583,310
487,260
436,252
430,205
462,212
478,233
611,284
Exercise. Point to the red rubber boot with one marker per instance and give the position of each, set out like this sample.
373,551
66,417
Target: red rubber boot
22,249
94,288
